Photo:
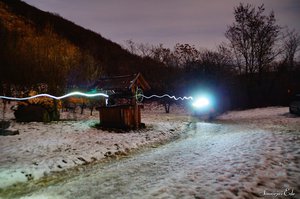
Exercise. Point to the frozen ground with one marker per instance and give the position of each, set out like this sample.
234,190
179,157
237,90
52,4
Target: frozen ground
271,118
40,148
243,154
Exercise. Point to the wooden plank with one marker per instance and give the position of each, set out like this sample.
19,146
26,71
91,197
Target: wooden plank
120,116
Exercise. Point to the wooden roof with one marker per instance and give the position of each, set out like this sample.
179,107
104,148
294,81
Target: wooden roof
122,83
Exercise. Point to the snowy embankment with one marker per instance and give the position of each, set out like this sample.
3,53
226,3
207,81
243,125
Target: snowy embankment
40,149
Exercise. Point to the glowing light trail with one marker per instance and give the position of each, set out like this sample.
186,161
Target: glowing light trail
171,97
54,97
91,95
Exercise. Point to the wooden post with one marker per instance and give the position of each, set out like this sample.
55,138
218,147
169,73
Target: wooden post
135,106
136,115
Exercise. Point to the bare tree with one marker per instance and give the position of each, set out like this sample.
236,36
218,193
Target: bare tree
225,57
140,49
212,61
130,46
252,37
186,55
145,50
291,46
164,55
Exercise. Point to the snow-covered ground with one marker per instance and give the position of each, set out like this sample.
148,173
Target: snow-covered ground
274,135
40,149
270,118
249,154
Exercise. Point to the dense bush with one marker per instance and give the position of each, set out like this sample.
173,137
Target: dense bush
41,109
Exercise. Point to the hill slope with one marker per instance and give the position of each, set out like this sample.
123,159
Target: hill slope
40,46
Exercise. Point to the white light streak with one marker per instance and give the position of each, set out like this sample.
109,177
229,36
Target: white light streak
54,97
171,97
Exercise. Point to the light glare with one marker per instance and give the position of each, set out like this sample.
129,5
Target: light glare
201,102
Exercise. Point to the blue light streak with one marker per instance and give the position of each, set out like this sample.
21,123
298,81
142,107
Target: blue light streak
54,97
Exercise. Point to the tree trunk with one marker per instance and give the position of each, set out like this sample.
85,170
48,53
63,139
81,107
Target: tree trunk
167,107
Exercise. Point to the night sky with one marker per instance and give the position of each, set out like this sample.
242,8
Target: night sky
198,22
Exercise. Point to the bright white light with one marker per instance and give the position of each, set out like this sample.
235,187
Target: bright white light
201,102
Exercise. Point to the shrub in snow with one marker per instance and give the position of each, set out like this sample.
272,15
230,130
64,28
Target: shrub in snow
41,109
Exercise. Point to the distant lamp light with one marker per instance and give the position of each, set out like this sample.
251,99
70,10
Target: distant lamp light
201,102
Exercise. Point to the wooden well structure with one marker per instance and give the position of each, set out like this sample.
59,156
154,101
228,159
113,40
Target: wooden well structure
122,109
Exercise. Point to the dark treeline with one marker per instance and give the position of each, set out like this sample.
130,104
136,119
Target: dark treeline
256,67
193,70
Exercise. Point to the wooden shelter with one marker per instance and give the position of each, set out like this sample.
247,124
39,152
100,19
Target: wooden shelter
122,109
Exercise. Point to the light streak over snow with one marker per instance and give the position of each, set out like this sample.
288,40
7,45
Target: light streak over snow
54,97
171,97
90,95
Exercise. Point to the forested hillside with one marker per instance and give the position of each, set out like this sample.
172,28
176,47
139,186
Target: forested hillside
41,47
